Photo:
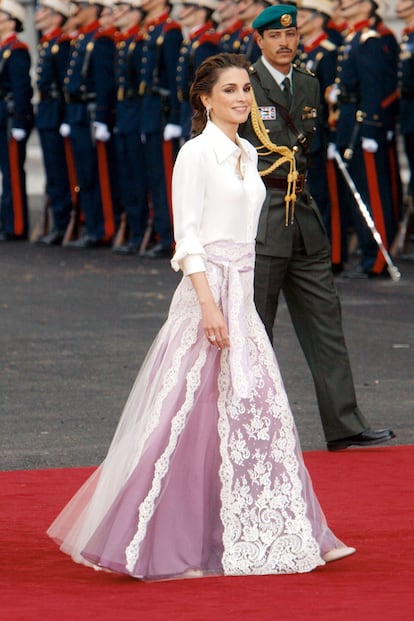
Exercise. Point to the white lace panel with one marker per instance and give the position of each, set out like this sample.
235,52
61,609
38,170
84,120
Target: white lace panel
263,510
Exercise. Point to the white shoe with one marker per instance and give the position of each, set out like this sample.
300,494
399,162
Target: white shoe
337,553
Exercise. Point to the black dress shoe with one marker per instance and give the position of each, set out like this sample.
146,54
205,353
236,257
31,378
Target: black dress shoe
5,237
127,249
357,274
55,238
86,242
337,268
360,274
159,251
370,437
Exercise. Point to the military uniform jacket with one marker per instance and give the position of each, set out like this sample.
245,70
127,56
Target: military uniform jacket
406,81
248,44
15,85
158,83
89,85
320,58
127,76
367,83
273,237
54,49
230,38
202,43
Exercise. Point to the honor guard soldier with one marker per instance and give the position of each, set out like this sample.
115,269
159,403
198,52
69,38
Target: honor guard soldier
16,121
229,26
405,11
248,11
130,150
336,26
318,54
86,121
160,114
51,69
365,91
393,49
292,248
200,43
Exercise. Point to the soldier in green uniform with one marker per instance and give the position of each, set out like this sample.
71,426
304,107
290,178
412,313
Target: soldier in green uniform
292,251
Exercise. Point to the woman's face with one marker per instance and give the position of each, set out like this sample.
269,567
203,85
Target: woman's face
230,98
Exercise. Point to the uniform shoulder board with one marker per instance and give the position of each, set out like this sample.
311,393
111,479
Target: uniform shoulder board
19,45
303,70
328,45
105,33
209,37
171,24
369,34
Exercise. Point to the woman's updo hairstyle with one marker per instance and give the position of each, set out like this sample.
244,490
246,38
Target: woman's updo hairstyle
206,77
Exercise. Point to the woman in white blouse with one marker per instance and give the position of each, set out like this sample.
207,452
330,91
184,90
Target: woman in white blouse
204,475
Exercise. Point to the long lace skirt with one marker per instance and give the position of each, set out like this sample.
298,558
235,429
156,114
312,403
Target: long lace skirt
204,471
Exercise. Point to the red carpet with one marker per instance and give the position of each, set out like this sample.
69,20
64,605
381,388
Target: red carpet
368,496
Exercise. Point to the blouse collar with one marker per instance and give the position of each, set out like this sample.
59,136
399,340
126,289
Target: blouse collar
222,146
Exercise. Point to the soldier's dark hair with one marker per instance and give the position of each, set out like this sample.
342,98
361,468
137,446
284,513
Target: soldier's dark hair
205,79
19,25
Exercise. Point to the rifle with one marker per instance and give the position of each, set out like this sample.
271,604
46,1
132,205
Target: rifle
121,236
72,230
392,269
399,244
41,228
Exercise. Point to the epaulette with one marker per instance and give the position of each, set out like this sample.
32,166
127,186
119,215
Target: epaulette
303,70
209,37
368,34
19,45
107,33
64,37
171,24
328,45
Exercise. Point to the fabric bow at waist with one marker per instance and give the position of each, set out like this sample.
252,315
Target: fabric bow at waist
233,260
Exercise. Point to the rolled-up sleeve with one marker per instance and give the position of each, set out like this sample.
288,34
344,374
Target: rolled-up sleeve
188,191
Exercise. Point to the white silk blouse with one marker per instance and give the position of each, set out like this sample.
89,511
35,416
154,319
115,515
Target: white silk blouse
211,200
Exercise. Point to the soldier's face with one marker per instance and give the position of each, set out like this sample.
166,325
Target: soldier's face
307,21
279,47
6,23
405,10
230,99
43,18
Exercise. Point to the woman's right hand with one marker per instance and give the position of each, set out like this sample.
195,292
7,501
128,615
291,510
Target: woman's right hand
214,325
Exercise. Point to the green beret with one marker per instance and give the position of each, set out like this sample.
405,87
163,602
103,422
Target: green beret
276,17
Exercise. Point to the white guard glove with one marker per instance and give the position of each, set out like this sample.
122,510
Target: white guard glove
390,135
64,130
18,134
333,94
172,131
330,152
101,131
369,145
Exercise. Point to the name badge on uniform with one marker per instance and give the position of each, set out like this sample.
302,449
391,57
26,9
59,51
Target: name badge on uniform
268,113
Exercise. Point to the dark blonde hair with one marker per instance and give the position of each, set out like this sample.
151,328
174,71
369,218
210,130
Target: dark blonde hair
205,79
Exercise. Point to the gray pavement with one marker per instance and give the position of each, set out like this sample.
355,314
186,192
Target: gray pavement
76,324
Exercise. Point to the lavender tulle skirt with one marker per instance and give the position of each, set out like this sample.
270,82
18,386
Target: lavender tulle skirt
204,473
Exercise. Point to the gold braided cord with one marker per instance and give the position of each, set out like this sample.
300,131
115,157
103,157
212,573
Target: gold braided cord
286,154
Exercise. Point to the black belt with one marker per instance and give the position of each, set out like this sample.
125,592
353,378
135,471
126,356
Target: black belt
50,95
277,183
348,98
407,93
128,95
79,97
